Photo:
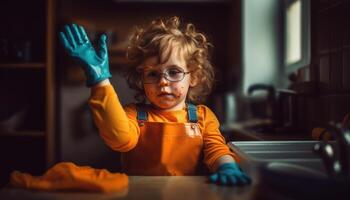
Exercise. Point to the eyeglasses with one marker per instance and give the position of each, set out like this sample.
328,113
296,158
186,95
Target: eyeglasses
172,75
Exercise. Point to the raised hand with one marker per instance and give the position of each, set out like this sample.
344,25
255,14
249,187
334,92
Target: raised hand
78,45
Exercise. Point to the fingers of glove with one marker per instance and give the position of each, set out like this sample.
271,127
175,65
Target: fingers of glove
240,180
69,36
232,180
103,46
65,42
223,180
246,178
83,34
76,34
213,178
243,179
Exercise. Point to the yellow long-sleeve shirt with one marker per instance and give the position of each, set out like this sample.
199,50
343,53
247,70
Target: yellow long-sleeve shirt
119,128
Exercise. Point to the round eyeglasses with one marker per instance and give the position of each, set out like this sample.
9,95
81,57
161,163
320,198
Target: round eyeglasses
172,75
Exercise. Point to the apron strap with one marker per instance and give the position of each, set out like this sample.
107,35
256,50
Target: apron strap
141,114
192,113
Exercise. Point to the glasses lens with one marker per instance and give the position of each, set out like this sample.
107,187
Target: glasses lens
174,75
151,76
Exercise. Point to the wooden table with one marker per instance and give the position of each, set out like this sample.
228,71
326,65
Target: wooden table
149,188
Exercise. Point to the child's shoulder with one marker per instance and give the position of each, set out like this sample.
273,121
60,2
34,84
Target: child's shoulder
130,110
202,106
206,115
131,107
135,106
201,109
204,110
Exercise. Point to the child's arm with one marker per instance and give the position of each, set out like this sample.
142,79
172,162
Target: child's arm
216,152
115,127
119,132
217,155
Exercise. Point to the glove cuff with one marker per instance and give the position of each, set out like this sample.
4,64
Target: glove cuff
92,82
231,165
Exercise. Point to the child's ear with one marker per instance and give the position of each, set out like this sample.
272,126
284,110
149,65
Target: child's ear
193,81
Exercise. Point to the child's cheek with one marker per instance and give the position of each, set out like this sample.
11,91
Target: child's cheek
179,91
150,93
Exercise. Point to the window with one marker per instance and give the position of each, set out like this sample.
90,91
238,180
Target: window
297,34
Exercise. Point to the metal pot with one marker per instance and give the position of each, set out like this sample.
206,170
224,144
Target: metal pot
279,105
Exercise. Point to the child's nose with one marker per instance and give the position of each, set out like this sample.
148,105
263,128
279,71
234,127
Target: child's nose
163,80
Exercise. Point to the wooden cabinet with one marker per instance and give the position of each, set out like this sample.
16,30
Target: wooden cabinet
27,86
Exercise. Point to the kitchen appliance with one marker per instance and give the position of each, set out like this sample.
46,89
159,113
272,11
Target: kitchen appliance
279,105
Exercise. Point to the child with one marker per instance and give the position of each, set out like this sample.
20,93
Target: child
165,133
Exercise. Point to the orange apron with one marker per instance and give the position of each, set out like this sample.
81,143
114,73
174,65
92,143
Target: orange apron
165,148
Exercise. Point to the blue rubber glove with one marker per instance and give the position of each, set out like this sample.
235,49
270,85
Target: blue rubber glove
78,45
230,174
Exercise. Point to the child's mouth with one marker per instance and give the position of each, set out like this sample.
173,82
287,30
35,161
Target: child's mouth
167,95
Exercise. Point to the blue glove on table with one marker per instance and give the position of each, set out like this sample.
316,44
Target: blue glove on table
78,45
230,174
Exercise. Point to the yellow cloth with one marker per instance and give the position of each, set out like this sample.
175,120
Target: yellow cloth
320,133
119,128
68,176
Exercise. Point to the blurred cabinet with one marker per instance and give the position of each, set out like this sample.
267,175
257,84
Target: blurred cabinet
27,86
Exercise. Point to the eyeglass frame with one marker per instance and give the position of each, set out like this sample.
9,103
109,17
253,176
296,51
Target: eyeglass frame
164,74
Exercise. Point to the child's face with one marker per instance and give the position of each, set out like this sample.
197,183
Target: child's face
166,85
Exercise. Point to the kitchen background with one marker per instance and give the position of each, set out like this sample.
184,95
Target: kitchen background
44,116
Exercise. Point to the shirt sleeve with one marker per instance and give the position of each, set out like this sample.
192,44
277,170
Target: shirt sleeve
119,132
214,143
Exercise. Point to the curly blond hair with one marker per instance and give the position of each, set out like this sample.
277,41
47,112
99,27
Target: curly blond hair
159,39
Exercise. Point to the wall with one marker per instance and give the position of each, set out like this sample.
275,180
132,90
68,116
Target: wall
328,98
261,42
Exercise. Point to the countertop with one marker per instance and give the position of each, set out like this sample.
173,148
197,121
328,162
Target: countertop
155,188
